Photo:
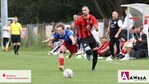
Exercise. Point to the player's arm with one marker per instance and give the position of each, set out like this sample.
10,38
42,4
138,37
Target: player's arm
72,39
120,29
73,26
53,39
47,40
95,24
20,26
108,29
4,29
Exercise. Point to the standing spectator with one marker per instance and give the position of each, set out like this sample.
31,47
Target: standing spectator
86,23
16,29
127,25
114,30
6,34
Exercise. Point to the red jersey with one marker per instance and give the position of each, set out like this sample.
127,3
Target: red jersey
82,23
103,46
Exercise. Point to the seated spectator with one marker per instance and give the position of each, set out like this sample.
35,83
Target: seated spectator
139,41
103,50
124,43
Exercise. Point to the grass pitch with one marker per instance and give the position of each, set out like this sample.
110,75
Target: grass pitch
45,68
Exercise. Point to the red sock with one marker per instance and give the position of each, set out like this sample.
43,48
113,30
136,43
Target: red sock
124,52
61,61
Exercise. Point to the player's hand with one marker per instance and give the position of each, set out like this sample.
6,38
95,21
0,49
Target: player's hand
88,27
116,36
43,41
107,33
74,42
140,39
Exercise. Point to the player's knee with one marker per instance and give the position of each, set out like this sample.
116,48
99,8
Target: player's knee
88,50
18,43
61,51
95,53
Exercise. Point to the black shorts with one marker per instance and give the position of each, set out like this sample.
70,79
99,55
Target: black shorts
15,38
5,41
89,41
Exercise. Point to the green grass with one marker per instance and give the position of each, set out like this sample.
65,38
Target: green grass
45,68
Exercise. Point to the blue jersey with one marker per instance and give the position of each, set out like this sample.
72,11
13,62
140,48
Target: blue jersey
65,37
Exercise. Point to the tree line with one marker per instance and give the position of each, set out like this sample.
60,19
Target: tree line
38,11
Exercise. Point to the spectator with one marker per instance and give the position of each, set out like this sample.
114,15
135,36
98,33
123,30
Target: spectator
138,42
114,30
104,47
6,34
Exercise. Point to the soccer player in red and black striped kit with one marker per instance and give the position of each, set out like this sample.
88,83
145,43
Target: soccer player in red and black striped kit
87,23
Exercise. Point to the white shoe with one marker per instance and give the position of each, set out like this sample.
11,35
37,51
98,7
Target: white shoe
50,52
109,58
55,53
132,58
79,52
126,57
100,57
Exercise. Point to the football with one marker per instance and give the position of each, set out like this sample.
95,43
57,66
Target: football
68,73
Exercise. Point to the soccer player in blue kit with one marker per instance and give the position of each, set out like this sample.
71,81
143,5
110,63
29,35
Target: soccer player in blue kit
68,43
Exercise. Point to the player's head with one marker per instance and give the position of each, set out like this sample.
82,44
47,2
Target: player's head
75,17
103,39
115,15
137,29
15,19
60,28
126,11
85,10
9,22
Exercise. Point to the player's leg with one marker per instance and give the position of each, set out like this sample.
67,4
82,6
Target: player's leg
95,55
94,48
61,57
117,45
111,48
4,44
18,39
13,39
72,49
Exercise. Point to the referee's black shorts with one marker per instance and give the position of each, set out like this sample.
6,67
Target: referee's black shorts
89,41
15,38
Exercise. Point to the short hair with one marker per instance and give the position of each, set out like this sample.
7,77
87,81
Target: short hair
15,17
104,37
79,14
10,20
60,25
134,27
86,7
